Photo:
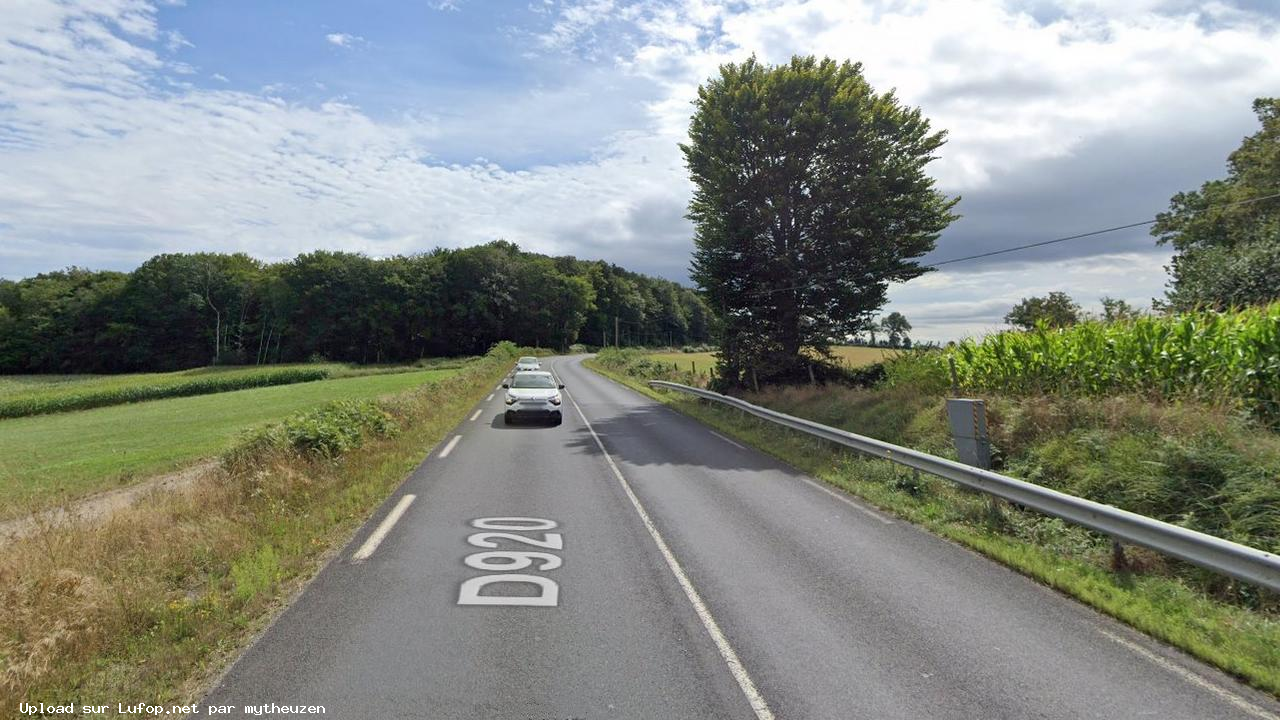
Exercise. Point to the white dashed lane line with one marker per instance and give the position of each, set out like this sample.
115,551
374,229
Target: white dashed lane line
383,528
448,448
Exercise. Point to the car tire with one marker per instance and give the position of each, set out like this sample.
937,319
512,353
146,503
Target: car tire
507,419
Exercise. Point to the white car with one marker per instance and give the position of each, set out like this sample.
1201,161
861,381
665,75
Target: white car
533,394
528,362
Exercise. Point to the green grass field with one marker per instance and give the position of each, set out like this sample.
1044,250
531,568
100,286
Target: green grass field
13,386
26,395
21,384
47,458
851,355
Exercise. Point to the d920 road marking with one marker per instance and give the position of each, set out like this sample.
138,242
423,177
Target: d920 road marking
506,561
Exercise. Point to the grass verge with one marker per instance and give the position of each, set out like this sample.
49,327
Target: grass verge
54,458
149,605
1242,641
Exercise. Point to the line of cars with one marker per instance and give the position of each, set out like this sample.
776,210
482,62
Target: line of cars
532,393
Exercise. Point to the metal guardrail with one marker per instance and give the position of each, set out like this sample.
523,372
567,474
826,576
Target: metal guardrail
1223,556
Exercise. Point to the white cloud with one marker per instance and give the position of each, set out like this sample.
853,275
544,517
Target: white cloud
174,41
343,39
949,305
1008,89
123,165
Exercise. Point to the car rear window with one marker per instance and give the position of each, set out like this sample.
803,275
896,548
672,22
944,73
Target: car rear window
533,381
528,360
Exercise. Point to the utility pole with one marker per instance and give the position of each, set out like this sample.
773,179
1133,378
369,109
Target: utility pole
615,332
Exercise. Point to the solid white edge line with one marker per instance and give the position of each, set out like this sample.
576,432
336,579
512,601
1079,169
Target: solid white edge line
1239,702
754,698
476,415
731,442
848,501
383,528
448,448
490,398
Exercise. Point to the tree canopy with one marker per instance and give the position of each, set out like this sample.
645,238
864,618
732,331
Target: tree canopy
186,310
1057,309
896,326
1225,236
810,197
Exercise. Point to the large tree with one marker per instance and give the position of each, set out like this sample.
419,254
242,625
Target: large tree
1056,310
810,197
1226,235
897,327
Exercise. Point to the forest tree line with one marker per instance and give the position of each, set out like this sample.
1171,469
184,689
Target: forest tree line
180,311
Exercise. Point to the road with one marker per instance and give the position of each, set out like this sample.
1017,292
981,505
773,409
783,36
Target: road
693,578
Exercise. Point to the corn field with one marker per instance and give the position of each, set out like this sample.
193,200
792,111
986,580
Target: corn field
1207,354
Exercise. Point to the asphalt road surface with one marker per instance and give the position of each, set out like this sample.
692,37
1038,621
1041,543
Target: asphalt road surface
659,570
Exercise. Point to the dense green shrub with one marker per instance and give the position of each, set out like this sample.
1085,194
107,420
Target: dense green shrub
326,431
337,427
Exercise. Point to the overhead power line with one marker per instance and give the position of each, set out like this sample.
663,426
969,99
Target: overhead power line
1091,234
1042,243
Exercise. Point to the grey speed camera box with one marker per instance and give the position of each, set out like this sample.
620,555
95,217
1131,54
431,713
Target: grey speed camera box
968,420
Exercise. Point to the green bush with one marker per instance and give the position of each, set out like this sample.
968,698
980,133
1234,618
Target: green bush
505,350
925,371
337,427
327,431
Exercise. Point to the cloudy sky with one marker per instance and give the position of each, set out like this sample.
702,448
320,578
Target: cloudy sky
129,127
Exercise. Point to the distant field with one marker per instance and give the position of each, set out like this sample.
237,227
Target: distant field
14,384
854,355
851,355
703,360
49,457
25,395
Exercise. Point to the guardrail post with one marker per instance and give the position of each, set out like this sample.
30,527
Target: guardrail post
1119,562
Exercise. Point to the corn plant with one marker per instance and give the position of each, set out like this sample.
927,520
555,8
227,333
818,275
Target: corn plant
1206,354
